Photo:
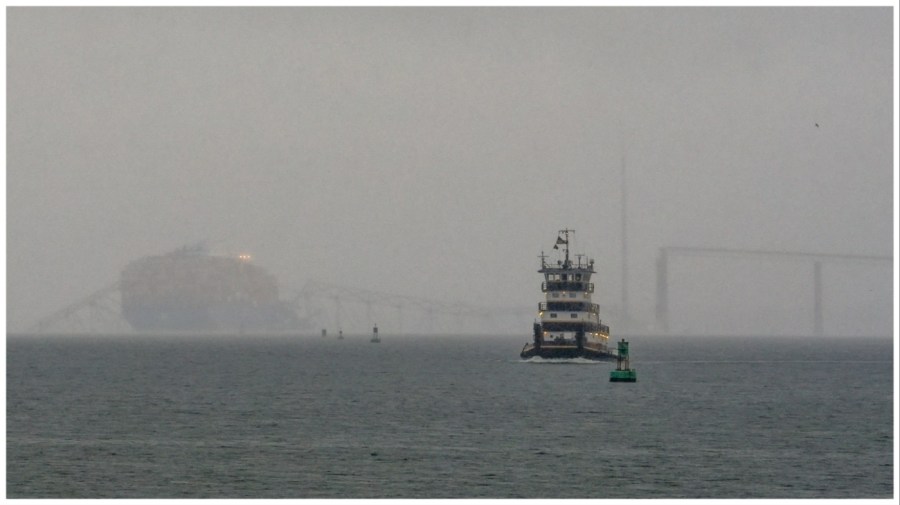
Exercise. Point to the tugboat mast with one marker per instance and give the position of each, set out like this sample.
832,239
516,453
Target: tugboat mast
565,244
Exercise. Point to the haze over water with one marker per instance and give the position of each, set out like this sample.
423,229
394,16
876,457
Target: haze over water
434,152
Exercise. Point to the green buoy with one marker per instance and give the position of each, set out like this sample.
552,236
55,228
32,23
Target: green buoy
623,373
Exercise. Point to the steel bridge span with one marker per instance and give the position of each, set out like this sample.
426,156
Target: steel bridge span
816,261
321,305
340,308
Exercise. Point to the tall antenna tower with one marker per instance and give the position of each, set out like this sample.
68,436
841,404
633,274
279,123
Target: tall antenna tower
624,244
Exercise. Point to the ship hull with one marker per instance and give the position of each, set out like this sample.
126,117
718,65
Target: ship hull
551,351
215,319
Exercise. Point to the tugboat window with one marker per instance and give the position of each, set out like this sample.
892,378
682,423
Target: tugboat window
552,315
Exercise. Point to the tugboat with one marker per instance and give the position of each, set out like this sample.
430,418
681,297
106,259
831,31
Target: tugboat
569,323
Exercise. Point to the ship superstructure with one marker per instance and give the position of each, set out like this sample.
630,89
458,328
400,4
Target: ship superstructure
190,290
568,324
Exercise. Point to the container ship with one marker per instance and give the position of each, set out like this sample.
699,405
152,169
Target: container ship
189,290
568,324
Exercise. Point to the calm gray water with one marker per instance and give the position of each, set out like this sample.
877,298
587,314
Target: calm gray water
452,417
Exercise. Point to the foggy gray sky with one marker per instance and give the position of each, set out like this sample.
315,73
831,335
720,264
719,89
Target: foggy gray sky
435,152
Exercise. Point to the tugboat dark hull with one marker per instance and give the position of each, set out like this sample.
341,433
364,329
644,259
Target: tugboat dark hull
566,352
